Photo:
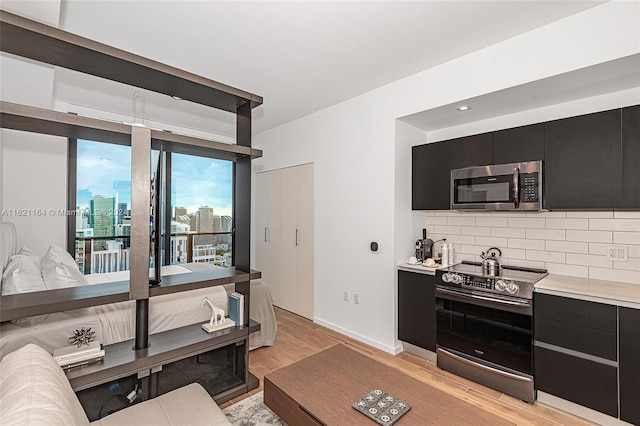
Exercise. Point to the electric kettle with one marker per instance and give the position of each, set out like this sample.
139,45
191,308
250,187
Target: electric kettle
491,263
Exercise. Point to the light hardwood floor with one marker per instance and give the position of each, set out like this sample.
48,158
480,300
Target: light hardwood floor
298,338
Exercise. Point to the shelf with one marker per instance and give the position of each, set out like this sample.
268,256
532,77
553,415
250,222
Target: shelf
39,120
43,43
121,360
43,302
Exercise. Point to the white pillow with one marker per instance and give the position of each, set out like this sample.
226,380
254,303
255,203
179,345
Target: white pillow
23,274
8,244
59,270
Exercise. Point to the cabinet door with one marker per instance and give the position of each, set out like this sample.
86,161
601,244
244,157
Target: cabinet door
585,382
417,309
629,365
431,176
525,143
476,150
288,251
631,157
583,165
267,230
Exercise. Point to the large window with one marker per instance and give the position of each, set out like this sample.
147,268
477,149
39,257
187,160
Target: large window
197,210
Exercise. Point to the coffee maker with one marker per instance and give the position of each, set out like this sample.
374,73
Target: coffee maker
424,247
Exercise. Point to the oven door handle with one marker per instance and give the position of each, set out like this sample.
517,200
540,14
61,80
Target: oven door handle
486,299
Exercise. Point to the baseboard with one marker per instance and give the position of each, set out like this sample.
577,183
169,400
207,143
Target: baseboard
579,410
394,350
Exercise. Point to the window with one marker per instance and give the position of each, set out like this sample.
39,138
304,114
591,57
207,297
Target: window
197,211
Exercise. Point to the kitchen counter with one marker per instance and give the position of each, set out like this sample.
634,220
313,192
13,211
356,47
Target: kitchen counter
428,270
601,291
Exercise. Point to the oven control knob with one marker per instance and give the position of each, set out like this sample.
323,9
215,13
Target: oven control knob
451,278
500,285
512,288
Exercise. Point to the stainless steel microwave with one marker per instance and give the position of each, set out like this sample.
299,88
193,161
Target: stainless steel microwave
514,186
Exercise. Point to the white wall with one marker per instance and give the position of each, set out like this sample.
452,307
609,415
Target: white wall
359,178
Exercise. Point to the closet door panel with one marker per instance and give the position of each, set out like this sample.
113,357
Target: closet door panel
304,180
288,252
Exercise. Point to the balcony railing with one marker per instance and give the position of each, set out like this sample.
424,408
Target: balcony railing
111,253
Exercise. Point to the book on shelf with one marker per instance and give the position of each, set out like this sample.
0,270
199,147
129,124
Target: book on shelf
236,307
74,356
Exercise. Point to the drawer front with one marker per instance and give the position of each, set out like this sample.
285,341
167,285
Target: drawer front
630,365
590,341
584,382
285,407
599,316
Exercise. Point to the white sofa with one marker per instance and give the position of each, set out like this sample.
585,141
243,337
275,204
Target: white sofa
35,391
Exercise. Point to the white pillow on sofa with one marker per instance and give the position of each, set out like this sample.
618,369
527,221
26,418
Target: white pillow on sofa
22,274
60,270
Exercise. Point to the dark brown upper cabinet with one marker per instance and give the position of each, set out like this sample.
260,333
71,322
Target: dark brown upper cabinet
631,157
431,176
583,163
524,143
476,150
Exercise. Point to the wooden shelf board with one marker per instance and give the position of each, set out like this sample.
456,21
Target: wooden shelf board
30,39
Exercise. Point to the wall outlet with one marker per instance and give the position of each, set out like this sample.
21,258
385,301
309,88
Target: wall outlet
617,253
345,295
356,298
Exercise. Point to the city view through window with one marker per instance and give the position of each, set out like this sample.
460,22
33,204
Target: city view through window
201,203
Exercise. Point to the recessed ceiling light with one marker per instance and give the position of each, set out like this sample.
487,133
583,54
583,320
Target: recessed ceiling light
463,108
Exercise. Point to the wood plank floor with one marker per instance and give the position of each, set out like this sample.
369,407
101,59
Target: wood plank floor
299,338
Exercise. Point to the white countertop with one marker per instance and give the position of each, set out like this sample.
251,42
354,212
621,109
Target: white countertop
419,268
611,292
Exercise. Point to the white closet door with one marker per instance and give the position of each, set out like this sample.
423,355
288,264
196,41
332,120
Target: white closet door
304,181
268,229
289,236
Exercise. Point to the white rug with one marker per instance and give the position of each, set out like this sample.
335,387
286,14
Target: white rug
252,412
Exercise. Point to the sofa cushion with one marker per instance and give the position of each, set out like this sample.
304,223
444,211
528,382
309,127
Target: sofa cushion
188,405
35,391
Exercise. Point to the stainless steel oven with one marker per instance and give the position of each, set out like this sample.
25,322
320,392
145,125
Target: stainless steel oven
514,186
485,327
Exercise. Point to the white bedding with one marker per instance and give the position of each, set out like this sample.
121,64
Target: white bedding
114,322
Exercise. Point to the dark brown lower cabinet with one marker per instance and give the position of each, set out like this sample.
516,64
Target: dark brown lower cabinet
585,382
629,364
417,309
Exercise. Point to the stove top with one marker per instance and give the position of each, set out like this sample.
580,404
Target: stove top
513,281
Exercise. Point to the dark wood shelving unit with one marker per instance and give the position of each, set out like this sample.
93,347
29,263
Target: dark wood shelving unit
39,42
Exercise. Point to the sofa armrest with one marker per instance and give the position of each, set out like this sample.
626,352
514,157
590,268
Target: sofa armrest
188,405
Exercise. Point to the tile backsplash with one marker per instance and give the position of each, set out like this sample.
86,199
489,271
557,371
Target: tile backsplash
571,243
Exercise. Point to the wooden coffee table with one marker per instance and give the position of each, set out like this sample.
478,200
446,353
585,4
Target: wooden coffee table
320,389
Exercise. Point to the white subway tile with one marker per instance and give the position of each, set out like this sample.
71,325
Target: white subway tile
589,215
508,232
444,213
595,236
624,225
474,230
462,220
545,215
626,215
546,256
430,213
506,214
512,253
626,238
568,246
430,229
530,264
492,221
525,244
598,249
634,251
471,249
588,260
491,242
438,220
526,222
462,239
571,270
446,229
567,223
630,265
546,234
632,277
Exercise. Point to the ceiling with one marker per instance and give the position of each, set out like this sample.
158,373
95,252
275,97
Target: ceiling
300,56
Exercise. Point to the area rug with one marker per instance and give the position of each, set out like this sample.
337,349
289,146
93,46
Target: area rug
252,412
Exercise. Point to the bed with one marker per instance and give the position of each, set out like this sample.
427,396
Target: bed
23,270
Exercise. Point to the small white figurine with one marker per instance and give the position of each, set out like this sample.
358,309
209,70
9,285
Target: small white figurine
215,313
